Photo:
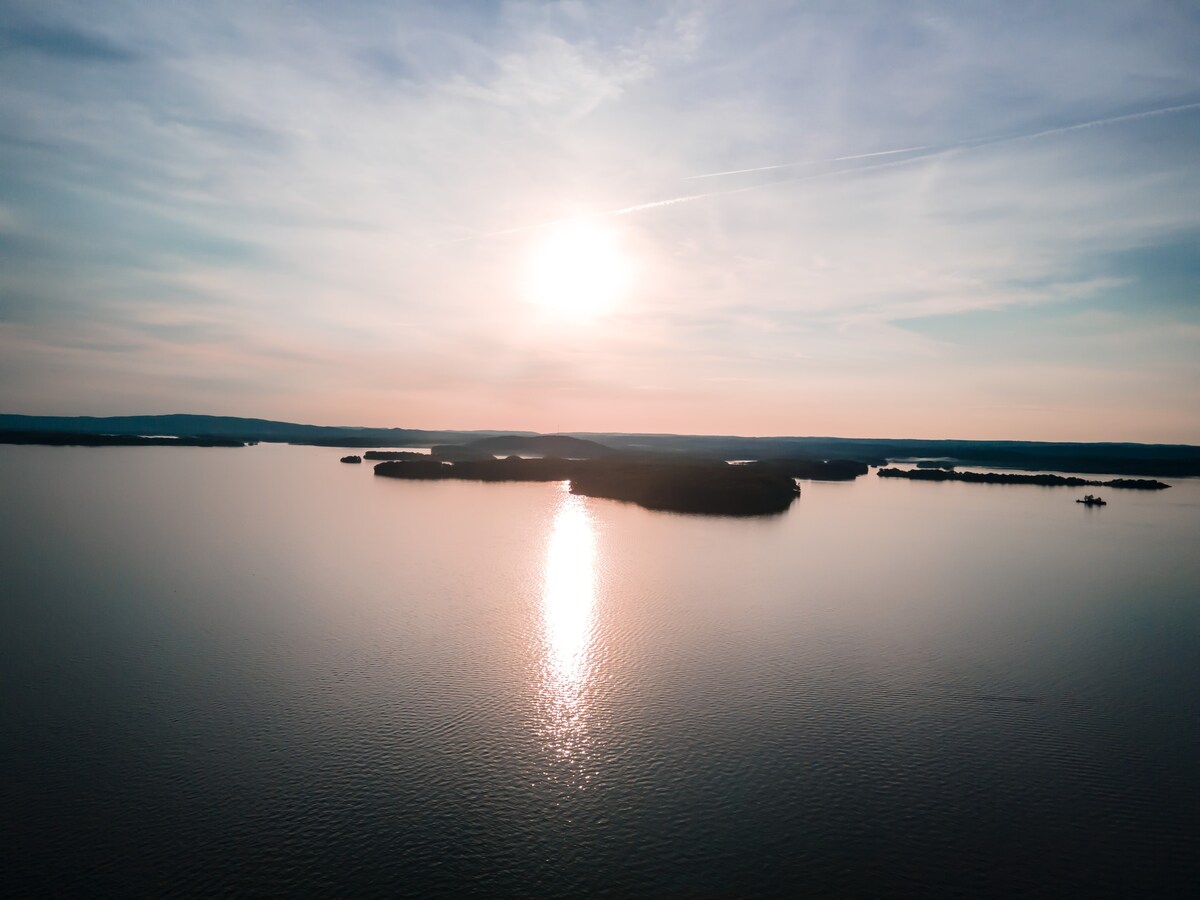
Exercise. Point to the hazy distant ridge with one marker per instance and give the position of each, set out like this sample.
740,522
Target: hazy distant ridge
185,425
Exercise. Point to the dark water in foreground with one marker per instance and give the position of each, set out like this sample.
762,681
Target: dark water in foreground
262,672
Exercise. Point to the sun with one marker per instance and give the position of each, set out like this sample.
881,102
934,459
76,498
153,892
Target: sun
578,270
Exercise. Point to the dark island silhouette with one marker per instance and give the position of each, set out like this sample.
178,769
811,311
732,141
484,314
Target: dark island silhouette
351,459
1156,460
378,455
684,486
1045,479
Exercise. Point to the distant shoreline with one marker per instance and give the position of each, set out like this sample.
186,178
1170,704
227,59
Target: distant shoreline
70,439
1042,479
1101,458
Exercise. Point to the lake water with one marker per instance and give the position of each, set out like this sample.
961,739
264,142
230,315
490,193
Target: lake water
260,671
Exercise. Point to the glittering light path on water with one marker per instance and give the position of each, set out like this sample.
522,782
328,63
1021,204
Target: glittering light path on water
568,606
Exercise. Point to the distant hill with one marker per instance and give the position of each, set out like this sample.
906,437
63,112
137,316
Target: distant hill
181,425
86,439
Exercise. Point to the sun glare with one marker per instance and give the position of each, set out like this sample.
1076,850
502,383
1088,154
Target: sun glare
578,270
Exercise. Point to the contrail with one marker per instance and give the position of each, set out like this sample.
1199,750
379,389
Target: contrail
624,211
820,176
1079,126
688,198
520,229
807,162
930,151
970,142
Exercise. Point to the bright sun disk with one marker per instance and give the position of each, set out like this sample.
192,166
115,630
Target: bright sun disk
578,270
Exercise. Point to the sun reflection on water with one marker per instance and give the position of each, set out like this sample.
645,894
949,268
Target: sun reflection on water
568,606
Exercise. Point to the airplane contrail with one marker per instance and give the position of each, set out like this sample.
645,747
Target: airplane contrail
970,142
1078,126
688,198
930,151
624,211
807,162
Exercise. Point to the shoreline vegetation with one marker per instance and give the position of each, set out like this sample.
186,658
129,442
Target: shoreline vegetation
1043,479
86,439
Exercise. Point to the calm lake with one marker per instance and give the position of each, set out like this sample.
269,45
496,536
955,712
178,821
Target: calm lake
260,671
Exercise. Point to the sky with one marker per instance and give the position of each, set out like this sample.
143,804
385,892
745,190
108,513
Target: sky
893,219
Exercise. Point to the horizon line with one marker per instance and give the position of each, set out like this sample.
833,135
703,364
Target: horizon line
526,431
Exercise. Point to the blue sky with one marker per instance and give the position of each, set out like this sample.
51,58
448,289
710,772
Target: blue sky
329,213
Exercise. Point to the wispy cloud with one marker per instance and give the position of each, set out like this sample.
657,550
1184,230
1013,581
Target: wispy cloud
807,162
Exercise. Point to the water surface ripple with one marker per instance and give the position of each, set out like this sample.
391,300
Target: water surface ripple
260,672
